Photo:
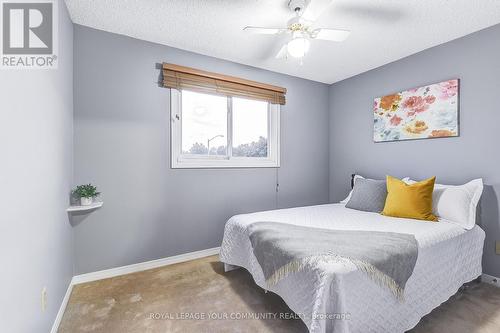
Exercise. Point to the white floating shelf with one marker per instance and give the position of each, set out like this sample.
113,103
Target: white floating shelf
94,205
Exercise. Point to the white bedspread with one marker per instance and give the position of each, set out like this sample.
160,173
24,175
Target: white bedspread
448,257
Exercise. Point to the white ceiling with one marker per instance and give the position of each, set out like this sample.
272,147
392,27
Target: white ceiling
382,30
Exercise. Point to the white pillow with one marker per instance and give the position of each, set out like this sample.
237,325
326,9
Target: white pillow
457,204
346,200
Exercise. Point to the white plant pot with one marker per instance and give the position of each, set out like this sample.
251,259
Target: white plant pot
85,201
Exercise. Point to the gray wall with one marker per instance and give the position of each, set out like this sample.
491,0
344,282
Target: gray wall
122,145
36,143
475,59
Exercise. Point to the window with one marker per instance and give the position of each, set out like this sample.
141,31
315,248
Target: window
217,131
222,121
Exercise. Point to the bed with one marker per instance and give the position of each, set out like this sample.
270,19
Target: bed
337,297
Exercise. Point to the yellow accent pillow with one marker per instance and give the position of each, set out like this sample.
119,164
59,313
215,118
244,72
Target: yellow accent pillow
409,201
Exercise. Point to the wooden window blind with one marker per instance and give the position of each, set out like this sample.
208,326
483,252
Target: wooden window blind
180,77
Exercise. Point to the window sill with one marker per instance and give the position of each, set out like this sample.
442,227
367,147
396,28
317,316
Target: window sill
218,163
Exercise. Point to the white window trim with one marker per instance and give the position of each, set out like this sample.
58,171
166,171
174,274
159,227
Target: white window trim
180,161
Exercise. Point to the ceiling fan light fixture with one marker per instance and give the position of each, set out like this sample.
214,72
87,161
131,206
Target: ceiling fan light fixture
302,29
298,47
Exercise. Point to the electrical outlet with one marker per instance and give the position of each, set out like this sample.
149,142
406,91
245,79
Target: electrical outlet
497,247
44,298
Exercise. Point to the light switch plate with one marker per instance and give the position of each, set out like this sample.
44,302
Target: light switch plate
497,247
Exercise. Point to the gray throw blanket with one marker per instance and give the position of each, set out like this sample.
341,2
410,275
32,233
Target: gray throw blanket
386,257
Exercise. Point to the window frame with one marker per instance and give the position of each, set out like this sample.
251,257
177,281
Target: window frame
186,161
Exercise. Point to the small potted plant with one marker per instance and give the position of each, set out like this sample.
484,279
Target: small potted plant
86,193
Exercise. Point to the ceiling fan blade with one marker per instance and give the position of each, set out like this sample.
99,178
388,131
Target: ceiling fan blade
264,31
315,8
334,35
282,53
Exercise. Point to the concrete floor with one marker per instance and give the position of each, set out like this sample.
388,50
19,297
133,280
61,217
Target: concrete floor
158,300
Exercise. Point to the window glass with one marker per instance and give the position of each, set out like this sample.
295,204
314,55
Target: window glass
250,128
204,124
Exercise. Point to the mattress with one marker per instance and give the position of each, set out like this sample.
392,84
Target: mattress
336,297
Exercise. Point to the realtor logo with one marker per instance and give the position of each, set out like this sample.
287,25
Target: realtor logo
28,34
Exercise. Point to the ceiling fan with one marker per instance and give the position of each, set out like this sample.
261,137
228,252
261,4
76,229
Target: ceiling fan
300,27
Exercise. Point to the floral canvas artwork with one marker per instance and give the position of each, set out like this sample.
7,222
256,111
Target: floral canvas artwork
426,112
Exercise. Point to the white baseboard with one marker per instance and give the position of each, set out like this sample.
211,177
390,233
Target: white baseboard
117,271
62,308
489,279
